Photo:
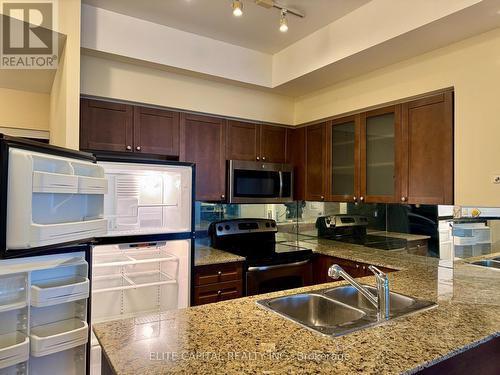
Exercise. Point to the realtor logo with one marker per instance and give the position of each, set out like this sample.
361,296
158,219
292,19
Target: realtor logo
28,40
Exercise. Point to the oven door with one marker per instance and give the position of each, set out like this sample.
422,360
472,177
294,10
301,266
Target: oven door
251,182
268,279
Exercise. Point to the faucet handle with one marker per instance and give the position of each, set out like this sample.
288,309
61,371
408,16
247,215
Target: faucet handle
377,272
334,271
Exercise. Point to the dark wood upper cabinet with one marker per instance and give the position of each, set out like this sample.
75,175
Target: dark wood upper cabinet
296,155
242,141
273,144
106,126
381,155
428,156
316,162
203,143
156,131
344,159
253,142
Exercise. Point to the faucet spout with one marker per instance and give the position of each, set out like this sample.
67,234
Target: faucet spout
381,301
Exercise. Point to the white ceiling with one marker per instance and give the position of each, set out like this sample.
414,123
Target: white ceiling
257,29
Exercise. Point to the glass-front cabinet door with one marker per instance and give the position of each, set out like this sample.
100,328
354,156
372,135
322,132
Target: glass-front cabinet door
380,155
344,159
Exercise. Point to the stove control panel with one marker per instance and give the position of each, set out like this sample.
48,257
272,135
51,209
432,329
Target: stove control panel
242,226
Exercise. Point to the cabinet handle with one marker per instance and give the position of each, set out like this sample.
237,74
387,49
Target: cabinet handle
219,273
322,198
258,158
223,196
403,199
361,199
354,198
128,148
357,265
138,148
264,158
219,292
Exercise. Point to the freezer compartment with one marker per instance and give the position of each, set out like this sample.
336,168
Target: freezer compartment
58,336
14,349
13,291
147,198
60,285
53,200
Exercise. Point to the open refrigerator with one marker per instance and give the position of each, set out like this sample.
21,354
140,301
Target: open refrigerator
84,240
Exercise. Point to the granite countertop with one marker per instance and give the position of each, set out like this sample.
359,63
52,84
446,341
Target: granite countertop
238,337
205,255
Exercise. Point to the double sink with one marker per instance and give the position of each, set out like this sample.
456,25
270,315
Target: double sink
339,311
490,263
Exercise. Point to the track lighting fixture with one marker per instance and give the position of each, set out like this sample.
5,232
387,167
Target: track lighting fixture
283,21
237,8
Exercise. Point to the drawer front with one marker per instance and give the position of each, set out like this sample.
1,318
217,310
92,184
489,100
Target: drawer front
217,273
217,292
417,247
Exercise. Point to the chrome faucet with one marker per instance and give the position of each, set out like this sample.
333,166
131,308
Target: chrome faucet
381,301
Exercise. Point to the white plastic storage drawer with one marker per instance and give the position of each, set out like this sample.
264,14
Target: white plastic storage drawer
14,348
60,290
58,336
92,185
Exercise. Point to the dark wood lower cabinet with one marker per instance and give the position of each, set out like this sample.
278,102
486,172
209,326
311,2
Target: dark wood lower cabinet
321,264
217,282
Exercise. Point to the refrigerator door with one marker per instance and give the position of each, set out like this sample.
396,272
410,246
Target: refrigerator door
145,199
50,197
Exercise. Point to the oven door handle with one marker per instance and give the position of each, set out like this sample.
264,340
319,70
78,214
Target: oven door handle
267,268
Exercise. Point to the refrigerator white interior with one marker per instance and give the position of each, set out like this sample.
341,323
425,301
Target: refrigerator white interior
68,362
147,198
128,280
52,200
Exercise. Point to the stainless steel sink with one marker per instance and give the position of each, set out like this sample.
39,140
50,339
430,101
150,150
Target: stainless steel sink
350,296
315,311
338,311
491,263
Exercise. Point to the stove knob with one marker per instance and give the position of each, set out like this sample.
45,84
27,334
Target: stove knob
219,228
268,225
227,227
273,224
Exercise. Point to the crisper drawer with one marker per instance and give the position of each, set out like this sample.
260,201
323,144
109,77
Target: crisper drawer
55,337
59,290
14,348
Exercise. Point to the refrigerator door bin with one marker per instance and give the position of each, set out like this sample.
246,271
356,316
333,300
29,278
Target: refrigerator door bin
92,185
55,337
17,369
60,290
14,348
46,182
13,291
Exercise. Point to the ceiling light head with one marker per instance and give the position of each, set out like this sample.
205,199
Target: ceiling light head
283,21
237,8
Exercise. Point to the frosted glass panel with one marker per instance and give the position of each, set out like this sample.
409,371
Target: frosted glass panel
343,159
380,155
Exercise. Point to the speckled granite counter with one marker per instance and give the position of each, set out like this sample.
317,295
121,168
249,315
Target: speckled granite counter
238,337
205,255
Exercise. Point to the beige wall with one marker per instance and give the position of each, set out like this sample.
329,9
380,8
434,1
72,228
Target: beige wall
473,68
126,81
65,94
24,110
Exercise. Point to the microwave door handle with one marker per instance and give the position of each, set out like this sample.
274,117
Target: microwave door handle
281,184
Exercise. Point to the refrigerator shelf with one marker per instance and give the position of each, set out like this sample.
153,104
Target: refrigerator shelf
13,306
13,291
14,348
114,283
59,290
56,337
121,259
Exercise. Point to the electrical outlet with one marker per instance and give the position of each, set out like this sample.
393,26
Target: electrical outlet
495,179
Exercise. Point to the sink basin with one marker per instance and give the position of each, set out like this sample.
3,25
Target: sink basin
338,311
314,311
350,296
488,263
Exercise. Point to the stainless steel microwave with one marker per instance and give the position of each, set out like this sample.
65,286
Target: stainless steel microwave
254,182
